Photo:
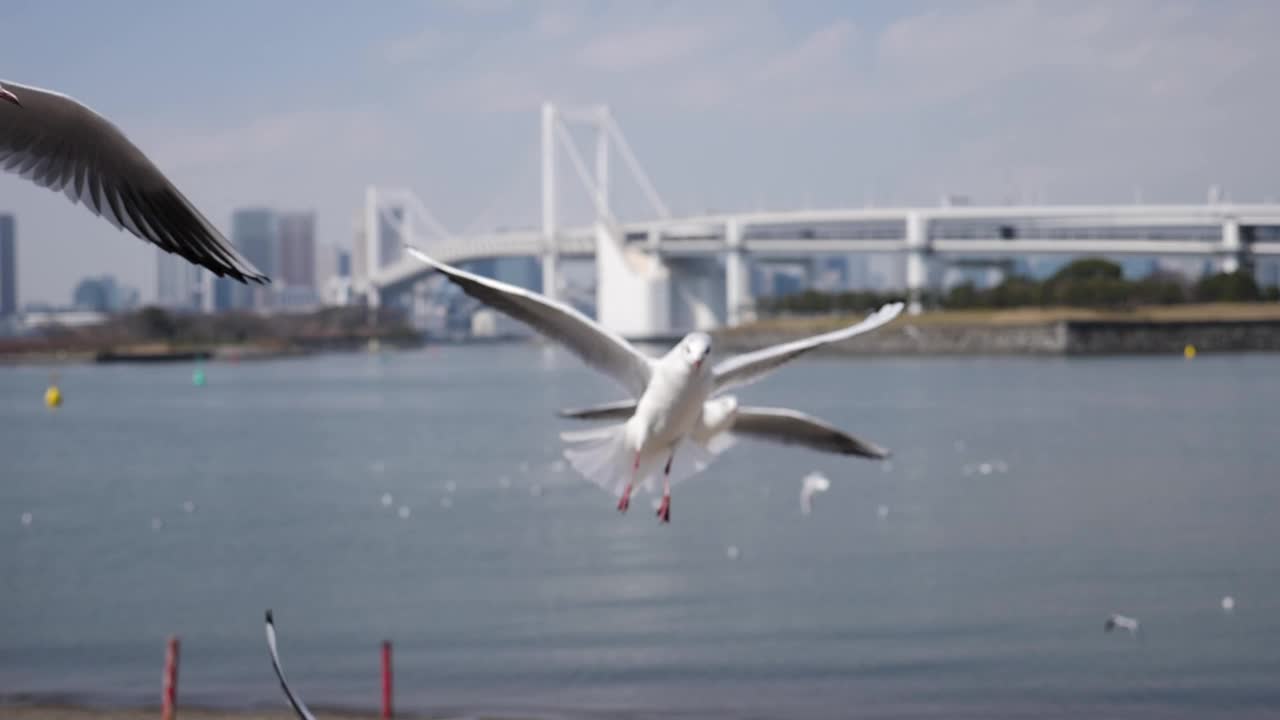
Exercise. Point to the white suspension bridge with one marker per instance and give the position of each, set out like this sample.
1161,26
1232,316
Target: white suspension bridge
663,276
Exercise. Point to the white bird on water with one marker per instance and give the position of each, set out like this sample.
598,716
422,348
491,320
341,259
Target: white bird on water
60,144
672,423
813,483
1121,622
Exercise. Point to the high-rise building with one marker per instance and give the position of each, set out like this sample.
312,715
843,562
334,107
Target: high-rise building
179,284
255,233
224,294
360,270
296,236
344,264
326,264
296,232
8,266
104,294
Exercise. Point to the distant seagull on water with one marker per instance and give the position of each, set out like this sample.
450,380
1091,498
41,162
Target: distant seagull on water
813,483
1121,622
59,144
671,424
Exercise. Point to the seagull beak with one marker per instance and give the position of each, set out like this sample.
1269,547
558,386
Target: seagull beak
6,95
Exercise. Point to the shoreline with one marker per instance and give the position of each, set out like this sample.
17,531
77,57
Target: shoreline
76,711
1057,331
1252,327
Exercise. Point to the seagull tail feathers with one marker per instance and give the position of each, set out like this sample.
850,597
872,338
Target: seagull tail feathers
600,455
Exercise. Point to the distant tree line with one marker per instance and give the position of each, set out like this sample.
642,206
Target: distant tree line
326,327
1088,282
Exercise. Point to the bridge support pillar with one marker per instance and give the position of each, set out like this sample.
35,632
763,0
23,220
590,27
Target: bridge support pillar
917,237
633,289
551,273
1232,248
739,303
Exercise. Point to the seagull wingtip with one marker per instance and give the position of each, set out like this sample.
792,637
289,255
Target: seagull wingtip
417,253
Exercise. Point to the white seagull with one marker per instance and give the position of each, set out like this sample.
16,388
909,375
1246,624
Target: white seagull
673,422
813,483
1121,622
58,143
299,707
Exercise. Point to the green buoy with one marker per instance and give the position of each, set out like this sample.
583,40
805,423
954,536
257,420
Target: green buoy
197,377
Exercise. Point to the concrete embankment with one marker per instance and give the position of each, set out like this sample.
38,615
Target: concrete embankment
1024,334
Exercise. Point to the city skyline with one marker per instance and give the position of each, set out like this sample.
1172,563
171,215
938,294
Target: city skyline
770,105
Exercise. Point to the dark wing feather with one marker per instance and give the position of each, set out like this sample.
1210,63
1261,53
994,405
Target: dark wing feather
790,427
59,144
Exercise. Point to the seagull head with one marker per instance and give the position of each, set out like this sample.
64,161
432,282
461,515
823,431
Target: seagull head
695,348
6,95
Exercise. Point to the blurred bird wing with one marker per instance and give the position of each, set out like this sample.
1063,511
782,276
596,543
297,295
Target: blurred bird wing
60,144
299,707
749,367
597,347
791,427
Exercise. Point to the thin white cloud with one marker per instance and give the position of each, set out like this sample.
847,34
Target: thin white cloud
427,43
277,135
483,7
643,48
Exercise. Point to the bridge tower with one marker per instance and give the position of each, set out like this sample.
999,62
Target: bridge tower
633,287
390,218
550,250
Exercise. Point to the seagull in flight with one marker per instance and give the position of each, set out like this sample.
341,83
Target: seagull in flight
60,144
299,707
672,423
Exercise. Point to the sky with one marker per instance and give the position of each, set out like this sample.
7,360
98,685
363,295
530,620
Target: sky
736,105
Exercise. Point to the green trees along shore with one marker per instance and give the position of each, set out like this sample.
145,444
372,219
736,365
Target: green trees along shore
1085,283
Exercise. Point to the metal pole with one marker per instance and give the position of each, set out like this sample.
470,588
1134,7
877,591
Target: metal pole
169,698
386,680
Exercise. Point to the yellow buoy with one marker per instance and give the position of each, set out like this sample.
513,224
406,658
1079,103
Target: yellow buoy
52,396
1189,351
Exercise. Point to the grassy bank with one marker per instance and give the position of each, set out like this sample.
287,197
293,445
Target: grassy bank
801,325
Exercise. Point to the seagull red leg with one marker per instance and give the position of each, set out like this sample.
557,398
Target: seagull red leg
624,502
664,508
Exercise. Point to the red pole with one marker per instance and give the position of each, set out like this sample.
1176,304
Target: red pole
170,698
386,680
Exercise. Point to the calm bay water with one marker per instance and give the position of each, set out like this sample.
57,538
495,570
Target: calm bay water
1147,486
